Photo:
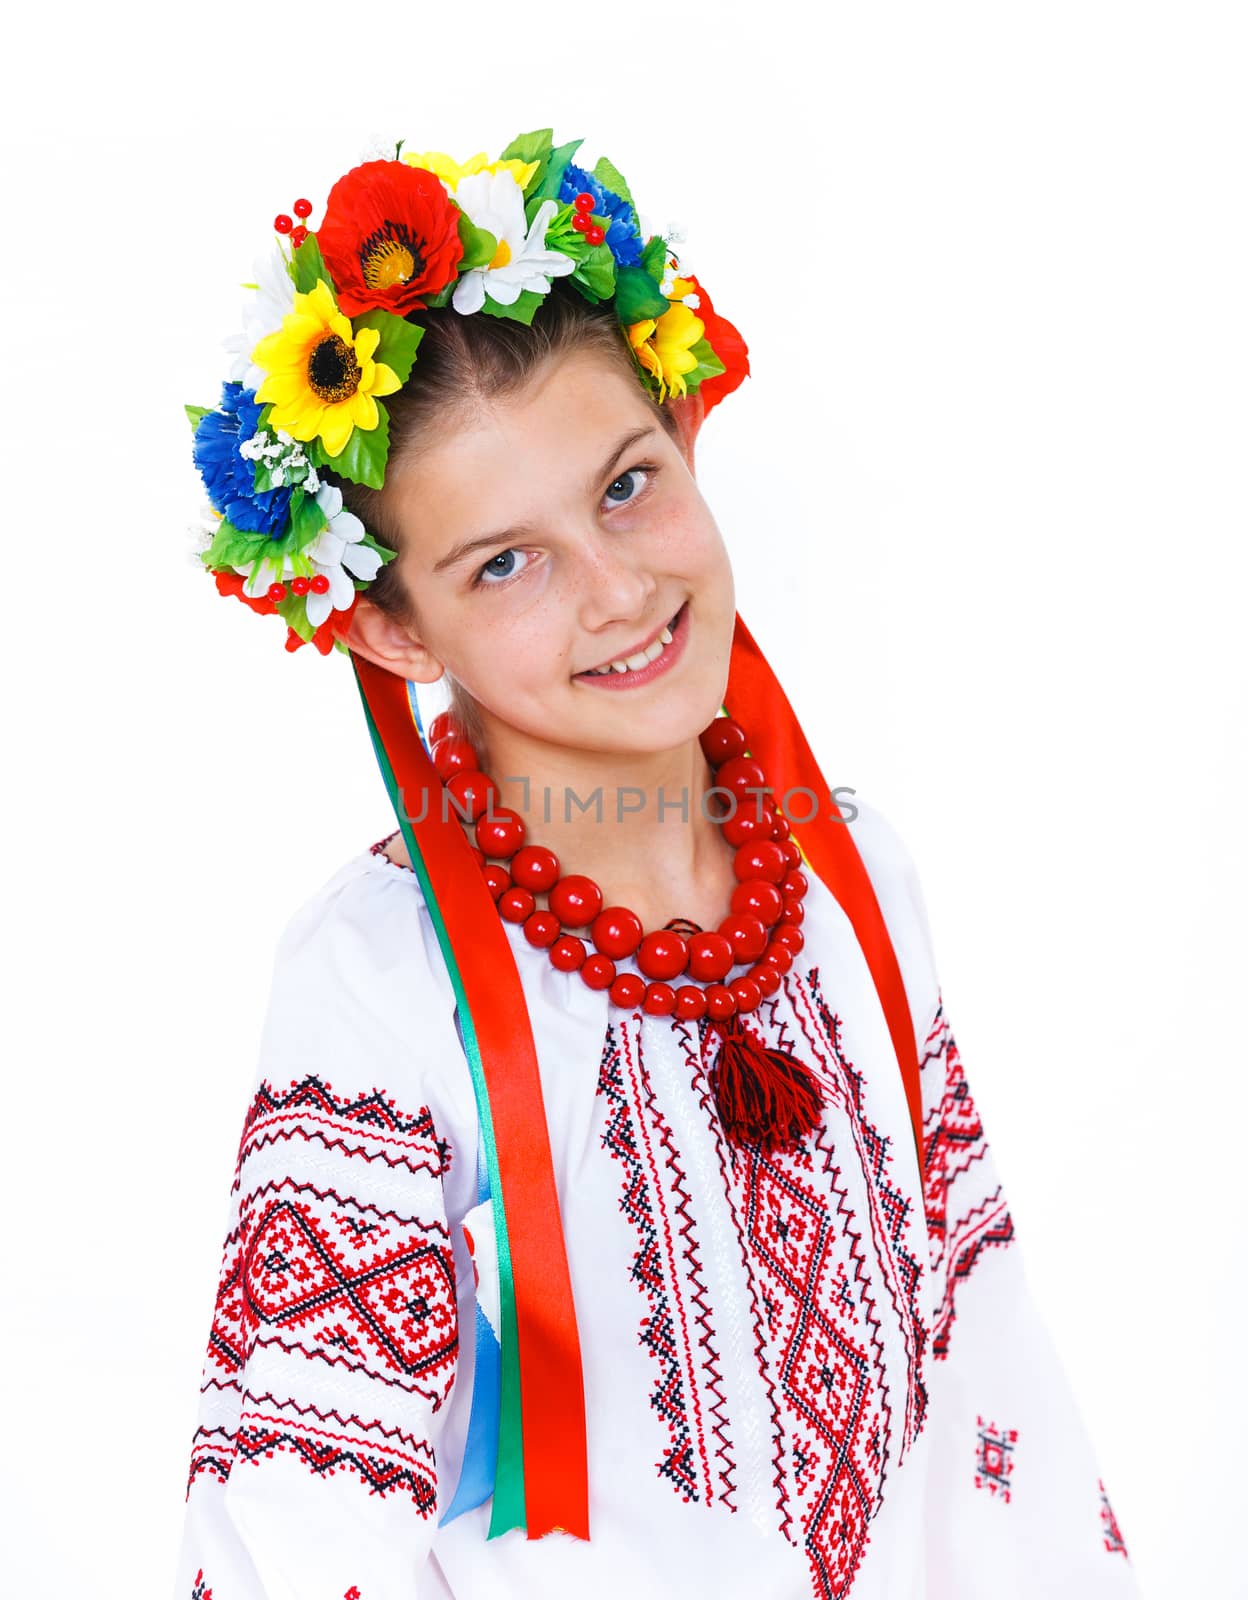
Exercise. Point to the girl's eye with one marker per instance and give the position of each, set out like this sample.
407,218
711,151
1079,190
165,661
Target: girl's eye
503,565
626,485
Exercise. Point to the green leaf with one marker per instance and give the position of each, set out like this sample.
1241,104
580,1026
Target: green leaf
597,272
529,146
231,547
521,311
637,295
363,458
612,178
443,295
313,449
399,338
293,611
195,415
479,244
306,518
654,257
309,266
547,182
386,555
709,365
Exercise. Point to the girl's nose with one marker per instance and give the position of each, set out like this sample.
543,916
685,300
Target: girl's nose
614,586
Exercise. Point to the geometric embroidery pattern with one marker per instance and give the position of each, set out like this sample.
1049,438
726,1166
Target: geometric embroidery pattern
1114,1542
966,1208
199,1591
994,1464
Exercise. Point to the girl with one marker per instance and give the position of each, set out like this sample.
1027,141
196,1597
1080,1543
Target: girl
611,1211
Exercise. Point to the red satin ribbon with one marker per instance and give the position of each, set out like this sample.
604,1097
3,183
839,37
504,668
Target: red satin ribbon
552,1396
755,699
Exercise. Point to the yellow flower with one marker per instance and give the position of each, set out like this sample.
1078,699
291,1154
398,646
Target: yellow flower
322,379
451,171
663,346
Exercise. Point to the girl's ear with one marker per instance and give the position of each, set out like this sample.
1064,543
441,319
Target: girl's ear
389,644
688,413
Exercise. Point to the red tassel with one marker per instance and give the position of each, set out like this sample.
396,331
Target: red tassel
765,1097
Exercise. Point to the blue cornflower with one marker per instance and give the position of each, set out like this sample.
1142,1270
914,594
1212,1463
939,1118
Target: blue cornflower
229,477
622,236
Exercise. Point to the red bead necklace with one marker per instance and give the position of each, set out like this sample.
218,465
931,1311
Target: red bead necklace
761,930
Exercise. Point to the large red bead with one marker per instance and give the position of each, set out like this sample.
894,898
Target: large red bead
663,954
790,936
766,976
598,972
514,905
720,1002
536,867
616,931
795,884
500,832
760,859
660,1000
453,755
690,1002
541,928
746,992
568,953
444,726
743,776
470,794
756,898
497,878
778,955
628,990
575,900
745,826
722,740
710,956
746,935
584,202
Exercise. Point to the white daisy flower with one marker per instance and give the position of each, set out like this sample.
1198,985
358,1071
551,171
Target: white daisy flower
337,552
268,306
495,201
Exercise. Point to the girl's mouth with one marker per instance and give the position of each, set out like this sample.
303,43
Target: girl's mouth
664,653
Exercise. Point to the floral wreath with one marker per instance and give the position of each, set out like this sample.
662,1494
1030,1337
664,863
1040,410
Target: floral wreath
332,328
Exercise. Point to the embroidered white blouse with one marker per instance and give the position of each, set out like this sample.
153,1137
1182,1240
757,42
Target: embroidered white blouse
808,1373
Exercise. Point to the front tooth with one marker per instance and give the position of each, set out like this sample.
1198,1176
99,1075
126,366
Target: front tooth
635,663
619,666
666,636
655,650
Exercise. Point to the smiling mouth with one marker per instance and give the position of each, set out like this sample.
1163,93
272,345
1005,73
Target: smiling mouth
639,659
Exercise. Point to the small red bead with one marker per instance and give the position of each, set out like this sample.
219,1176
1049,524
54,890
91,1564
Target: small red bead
791,937
792,854
470,796
276,592
628,990
595,234
663,954
598,971
496,878
444,726
581,222
568,953
745,827
720,1002
758,898
298,235
690,1002
616,931
541,928
320,584
760,859
793,913
299,586
660,1000
500,831
778,955
795,884
302,208
743,775
536,867
747,993
584,201
282,223
746,935
722,740
710,956
575,900
780,827
766,976
453,755
478,855
514,905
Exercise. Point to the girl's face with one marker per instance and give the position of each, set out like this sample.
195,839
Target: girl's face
553,532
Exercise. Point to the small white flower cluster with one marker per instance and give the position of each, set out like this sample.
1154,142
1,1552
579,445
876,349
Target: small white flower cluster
284,457
202,533
675,233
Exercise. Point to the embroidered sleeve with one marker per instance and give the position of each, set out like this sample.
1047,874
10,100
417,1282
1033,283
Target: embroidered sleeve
332,1353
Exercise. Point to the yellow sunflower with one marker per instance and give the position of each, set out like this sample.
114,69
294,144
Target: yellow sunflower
663,346
451,171
322,379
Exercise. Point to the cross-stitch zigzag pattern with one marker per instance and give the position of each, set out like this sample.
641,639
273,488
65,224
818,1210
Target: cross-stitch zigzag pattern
1114,1542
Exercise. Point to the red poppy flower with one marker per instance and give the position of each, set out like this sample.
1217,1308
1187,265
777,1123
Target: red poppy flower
231,583
727,344
390,237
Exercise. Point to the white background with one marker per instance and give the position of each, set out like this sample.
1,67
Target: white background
985,498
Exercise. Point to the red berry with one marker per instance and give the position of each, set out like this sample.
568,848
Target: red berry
690,1002
584,201
598,972
747,993
496,878
282,223
660,1000
581,222
663,954
500,832
568,953
758,898
514,905
299,586
535,867
722,740
710,956
302,208
575,900
594,234
541,928
453,755
760,859
276,592
616,931
628,989
320,584
720,1002
746,935
471,795
298,235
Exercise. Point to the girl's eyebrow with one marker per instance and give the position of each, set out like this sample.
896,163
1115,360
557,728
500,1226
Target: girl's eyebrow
521,530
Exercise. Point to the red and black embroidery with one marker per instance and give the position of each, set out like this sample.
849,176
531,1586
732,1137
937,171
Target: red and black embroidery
199,1589
1111,1532
964,1218
994,1458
